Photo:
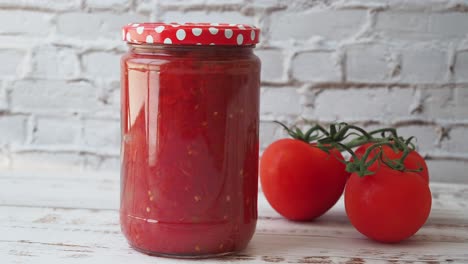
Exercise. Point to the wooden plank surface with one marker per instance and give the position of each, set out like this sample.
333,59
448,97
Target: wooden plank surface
57,217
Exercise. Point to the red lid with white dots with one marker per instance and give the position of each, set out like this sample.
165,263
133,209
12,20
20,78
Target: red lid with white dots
191,34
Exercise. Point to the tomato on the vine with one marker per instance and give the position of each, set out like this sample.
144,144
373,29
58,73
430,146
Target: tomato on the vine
388,206
414,161
301,181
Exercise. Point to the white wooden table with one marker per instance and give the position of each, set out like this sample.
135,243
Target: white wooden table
69,217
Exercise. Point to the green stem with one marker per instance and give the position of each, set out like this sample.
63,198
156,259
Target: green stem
339,132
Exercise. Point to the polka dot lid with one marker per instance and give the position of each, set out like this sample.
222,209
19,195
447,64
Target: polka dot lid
191,34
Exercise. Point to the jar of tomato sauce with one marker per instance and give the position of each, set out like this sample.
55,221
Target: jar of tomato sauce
190,118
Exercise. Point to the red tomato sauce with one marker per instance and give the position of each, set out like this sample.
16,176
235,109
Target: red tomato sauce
189,149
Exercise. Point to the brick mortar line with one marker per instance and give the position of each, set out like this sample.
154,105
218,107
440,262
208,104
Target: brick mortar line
66,9
265,117
429,155
359,85
396,124
273,85
297,119
202,7
332,5
446,157
354,85
41,9
79,150
116,45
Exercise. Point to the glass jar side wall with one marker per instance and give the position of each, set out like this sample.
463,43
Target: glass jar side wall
189,149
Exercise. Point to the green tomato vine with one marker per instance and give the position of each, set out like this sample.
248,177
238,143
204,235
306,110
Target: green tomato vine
345,137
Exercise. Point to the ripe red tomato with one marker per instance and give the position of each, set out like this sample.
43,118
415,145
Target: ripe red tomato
413,161
388,206
301,181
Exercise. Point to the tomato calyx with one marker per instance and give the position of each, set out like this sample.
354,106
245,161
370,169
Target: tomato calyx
375,152
345,137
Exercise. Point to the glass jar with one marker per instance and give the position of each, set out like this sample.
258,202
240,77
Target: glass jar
190,118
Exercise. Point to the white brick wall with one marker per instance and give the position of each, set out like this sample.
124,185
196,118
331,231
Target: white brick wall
424,65
379,66
56,131
326,67
53,5
3,98
273,68
14,22
11,61
103,134
12,129
362,104
101,64
107,4
461,67
208,16
320,23
375,62
452,143
95,25
49,62
279,101
51,96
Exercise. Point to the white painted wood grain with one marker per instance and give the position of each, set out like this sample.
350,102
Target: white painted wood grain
34,235
60,189
55,218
